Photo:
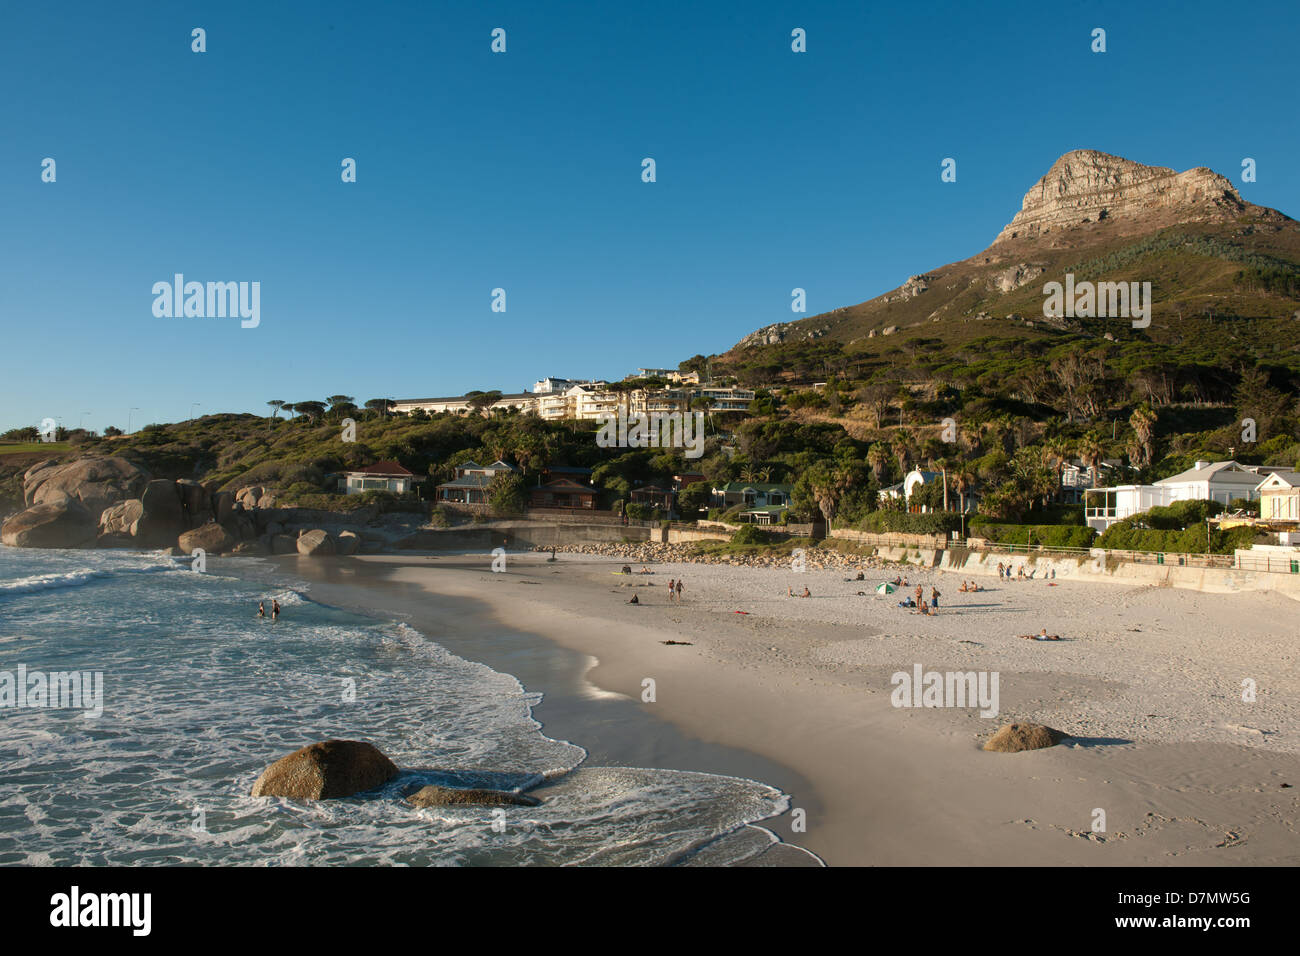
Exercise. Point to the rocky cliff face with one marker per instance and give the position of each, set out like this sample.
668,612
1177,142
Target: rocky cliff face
1086,186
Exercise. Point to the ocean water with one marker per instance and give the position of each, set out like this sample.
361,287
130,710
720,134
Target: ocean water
199,696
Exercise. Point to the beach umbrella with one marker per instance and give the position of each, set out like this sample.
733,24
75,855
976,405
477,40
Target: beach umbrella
886,588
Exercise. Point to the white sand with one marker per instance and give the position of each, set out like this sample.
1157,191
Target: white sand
1148,681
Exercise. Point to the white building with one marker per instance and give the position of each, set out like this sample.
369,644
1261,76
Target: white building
1220,481
381,476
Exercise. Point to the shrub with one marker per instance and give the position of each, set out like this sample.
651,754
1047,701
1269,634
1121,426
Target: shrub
750,534
903,522
1047,535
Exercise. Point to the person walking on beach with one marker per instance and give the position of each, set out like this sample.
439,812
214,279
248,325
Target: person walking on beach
672,583
934,598
679,590
275,609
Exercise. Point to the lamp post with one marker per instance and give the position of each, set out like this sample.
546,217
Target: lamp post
194,405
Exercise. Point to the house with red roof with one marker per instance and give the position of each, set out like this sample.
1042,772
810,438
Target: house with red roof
381,476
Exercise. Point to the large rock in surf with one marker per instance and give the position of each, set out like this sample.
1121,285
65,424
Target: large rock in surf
211,537
195,502
164,516
451,797
316,542
347,542
60,523
322,771
284,544
96,482
1012,738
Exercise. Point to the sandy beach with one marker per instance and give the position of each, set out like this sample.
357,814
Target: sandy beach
796,693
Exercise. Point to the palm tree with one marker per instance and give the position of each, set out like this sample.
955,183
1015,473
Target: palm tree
1143,421
1090,453
963,480
877,458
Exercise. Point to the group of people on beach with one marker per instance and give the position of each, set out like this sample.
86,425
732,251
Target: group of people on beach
970,586
1005,571
790,593
275,609
675,588
918,605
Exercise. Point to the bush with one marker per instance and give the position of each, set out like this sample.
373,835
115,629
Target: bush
750,534
1047,535
904,522
506,494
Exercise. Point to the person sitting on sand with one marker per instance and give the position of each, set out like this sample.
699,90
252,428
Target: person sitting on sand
635,600
908,603
898,580
963,589
645,570
1041,636
922,608
806,593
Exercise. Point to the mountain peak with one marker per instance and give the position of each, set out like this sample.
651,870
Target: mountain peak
1089,186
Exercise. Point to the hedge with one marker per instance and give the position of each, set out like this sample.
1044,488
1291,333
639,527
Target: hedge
1047,535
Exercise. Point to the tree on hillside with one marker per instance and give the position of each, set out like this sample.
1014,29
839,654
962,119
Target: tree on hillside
479,400
289,407
877,458
276,404
1143,421
312,410
380,405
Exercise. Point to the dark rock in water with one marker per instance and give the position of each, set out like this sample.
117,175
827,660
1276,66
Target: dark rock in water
451,797
326,770
195,502
211,537
60,523
1012,738
347,542
163,515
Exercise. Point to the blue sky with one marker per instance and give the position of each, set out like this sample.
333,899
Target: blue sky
522,171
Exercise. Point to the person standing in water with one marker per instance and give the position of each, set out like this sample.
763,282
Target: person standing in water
261,609
275,609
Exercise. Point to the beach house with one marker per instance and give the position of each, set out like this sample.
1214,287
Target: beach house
1279,497
381,476
470,486
1221,481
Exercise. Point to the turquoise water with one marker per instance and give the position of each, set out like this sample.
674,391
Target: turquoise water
199,696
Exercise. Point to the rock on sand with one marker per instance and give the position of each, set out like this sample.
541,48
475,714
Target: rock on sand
1012,738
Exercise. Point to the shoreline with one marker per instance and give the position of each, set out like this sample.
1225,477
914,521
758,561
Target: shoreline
787,696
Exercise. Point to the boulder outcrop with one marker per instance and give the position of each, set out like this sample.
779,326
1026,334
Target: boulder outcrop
96,482
58,522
